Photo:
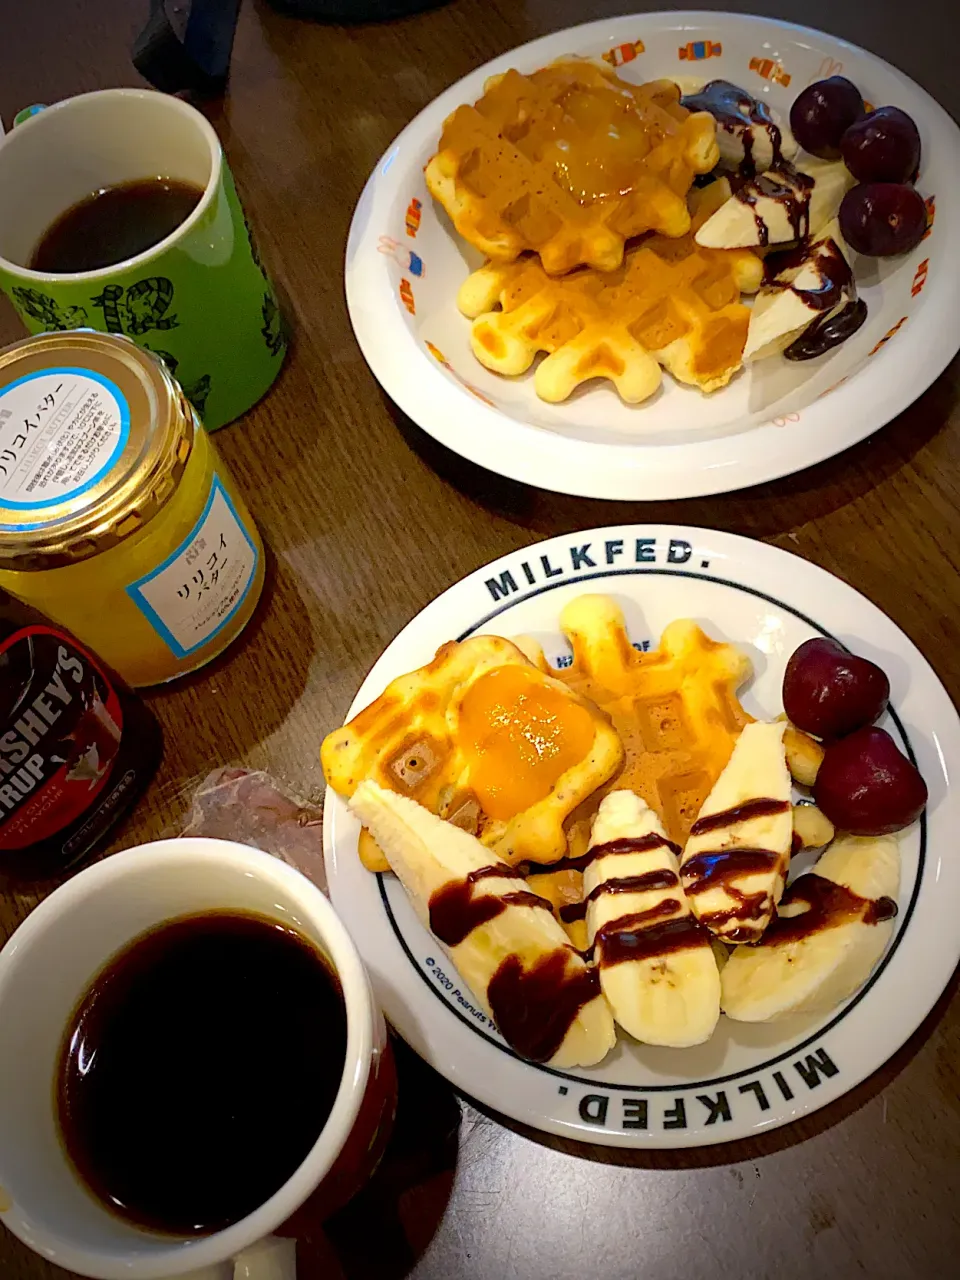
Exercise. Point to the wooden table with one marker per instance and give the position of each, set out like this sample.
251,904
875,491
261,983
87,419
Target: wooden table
367,519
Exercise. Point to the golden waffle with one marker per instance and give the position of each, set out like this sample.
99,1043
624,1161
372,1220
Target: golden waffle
672,302
570,162
674,708
484,739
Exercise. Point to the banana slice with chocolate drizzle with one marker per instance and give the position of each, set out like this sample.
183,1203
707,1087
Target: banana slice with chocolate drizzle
657,967
735,862
504,940
834,925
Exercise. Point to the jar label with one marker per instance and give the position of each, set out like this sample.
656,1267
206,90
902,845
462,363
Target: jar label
197,590
61,431
60,729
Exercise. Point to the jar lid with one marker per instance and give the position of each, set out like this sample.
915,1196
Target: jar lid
94,436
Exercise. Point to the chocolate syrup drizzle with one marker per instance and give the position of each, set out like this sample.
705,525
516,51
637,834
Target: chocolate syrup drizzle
827,332
831,326
788,187
720,868
455,912
659,878
533,1007
737,112
760,808
828,905
717,870
645,935
638,935
628,844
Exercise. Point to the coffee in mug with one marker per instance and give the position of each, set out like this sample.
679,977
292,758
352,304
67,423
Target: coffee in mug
115,223
182,900
72,178
199,1068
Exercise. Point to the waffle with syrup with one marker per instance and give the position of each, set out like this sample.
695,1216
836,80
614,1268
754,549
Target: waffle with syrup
569,163
486,740
671,303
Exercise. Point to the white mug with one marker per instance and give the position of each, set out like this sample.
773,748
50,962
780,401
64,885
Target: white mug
45,969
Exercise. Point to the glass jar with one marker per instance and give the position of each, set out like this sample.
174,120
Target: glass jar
118,519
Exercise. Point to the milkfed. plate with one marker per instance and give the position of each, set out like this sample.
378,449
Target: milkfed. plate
748,1078
405,264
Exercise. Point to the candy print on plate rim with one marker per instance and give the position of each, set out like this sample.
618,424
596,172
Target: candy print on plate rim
770,421
749,1077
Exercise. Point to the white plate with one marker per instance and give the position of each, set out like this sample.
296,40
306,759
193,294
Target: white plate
404,267
748,1078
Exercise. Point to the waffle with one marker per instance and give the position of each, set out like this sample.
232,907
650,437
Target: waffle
674,708
484,739
570,162
672,302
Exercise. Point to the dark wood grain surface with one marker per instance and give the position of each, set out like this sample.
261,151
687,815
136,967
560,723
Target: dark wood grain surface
367,519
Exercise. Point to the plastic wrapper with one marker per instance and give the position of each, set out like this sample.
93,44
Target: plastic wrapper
250,807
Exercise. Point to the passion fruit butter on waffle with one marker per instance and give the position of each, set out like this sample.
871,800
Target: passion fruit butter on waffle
481,738
570,162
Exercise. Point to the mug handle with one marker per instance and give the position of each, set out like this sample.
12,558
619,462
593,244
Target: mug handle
269,1259
25,114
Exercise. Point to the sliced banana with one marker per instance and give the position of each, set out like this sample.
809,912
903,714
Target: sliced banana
780,313
734,866
515,956
826,941
734,150
672,996
778,207
750,137
804,754
811,827
832,180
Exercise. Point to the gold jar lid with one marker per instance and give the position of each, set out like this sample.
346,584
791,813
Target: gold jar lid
94,437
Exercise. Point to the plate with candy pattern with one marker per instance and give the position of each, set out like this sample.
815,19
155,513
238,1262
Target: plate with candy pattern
405,264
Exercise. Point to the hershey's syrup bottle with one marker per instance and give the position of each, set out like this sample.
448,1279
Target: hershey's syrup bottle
77,747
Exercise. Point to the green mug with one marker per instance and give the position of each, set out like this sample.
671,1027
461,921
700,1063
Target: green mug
200,298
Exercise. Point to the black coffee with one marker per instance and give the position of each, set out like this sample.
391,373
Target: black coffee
114,224
199,1070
